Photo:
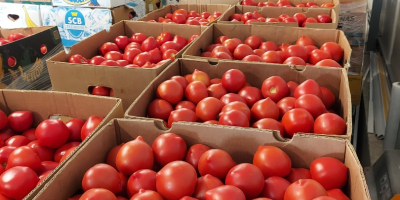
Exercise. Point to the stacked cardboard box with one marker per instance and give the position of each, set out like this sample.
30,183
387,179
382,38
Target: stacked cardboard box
16,15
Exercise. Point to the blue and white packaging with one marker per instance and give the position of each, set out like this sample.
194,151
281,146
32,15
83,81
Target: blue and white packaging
14,15
89,3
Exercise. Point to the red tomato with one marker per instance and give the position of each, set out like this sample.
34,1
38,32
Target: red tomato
308,87
30,134
272,161
102,176
324,198
328,63
231,97
275,187
5,153
327,97
235,16
337,194
204,184
17,141
286,104
160,109
237,105
271,124
231,44
170,54
133,156
3,42
141,179
101,91
149,44
52,133
258,52
208,109
6,133
181,80
215,81
215,162
147,195
186,104
271,20
121,41
90,125
63,149
265,108
305,41
112,156
297,120
138,37
97,60
196,91
20,121
269,46
253,41
248,178
44,153
107,47
309,20
194,153
234,118
18,182
298,51
67,153
181,41
242,50
290,20
167,148
75,127
24,156
216,90
334,49
292,87
294,60
330,124
225,192
220,49
318,55
201,76
46,166
98,194
156,55
142,58
252,58
300,17
310,48
271,57
221,39
275,88
169,45
164,37
251,95
282,17
109,63
181,115
170,91
15,36
297,174
312,104
3,120
233,80
304,189
176,180
323,18
76,197
327,5
133,45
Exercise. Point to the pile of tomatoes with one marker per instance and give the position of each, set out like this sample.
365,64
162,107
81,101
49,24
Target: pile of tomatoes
28,155
11,38
300,18
283,106
286,3
167,170
181,16
304,52
137,51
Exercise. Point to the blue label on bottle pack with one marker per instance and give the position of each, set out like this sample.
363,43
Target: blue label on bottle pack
75,23
77,2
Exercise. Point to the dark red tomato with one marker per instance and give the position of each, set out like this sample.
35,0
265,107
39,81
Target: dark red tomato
251,95
233,80
170,91
286,104
225,192
304,189
46,166
24,156
142,179
275,88
221,55
44,153
201,76
297,50
269,46
265,108
75,127
270,124
149,44
109,63
130,54
308,87
196,91
156,55
107,47
20,121
63,149
44,176
272,161
231,44
328,63
112,156
312,104
239,106
215,162
328,98
102,176
253,41
67,153
292,87
323,18
3,120
251,185
181,41
208,109
52,133
5,153
275,187
309,20
337,194
234,118
90,125
221,39
97,60
15,36
133,45
167,148
98,194
186,104
17,141
101,91
138,37
297,174
271,57
77,59
318,55
329,172
216,90
297,120
241,51
176,180
294,61
164,37
334,49
18,182
205,183
331,124
160,109
147,195
194,153
2,169
121,41
181,80
181,115
124,183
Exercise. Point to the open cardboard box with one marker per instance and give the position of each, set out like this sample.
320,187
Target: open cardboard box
44,104
277,34
333,78
199,8
127,83
240,143
275,12
229,2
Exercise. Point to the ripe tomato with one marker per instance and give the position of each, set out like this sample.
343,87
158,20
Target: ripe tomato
327,97
133,156
170,54
298,51
310,48
208,109
186,104
102,176
164,37
47,166
216,90
252,58
231,97
97,60
294,60
327,5
201,76
282,17
248,178
221,39
318,55
138,37
334,49
242,50
167,148
17,141
20,121
141,179
308,87
271,20
3,42
323,18
6,133
67,153
17,182
109,63
170,91
149,44
251,95
275,187
225,192
15,36
101,91
265,108
328,63
269,46
5,153
304,40
220,49
233,80
234,118
142,58
330,124
271,57
253,41
297,120
130,54
275,88
24,156
63,149
194,153
30,134
304,189
98,194
75,127
300,17
169,45
337,194
160,109
44,153
271,124
297,174
181,80
272,161
205,183
90,125
3,120
215,162
52,133
312,104
309,20
181,41
196,91
324,198
181,115
286,104
107,47
44,176
292,87
231,44
258,52
147,195
237,105
112,156
121,41
156,55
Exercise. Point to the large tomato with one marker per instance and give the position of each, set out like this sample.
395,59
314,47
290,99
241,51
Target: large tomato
201,76
98,194
234,118
308,87
121,41
272,161
216,90
44,153
275,187
312,104
156,55
221,39
138,37
159,108
271,57
297,50
297,174
253,58
231,97
24,156
113,55
318,55
269,46
142,58
286,104
5,153
17,141
242,50
233,80
334,49
130,54
79,59
304,40
275,88
90,125
225,192
204,184
112,156
324,198
6,133
327,97
15,36
337,194
297,120
149,44
170,91
3,120
75,127
63,149
294,61
164,37
271,124
237,105
194,153
251,95
147,195
329,172
107,47
52,133
196,91
328,63
20,121
215,162
17,182
181,41
181,115
133,156
208,109
253,41
265,108
168,147
330,124
142,179
102,176
231,44
304,189
181,80
186,104
176,180
248,178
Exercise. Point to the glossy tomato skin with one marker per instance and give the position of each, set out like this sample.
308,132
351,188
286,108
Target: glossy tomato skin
121,41
77,59
308,87
112,156
275,88
253,41
286,104
52,133
248,178
297,120
265,108
47,166
271,124
334,49
159,108
251,95
328,63
5,153
337,194
272,161
102,176
90,125
17,182
3,120
170,91
275,187
328,98
168,147
234,118
324,198
225,192
318,55
186,104
331,124
297,174
329,172
17,141
231,97
201,76
130,54
75,127
98,194
107,47
181,115
216,90
297,50
196,91
304,189
20,121
237,105
147,195
181,80
208,109
67,153
24,156
176,180
138,37
101,91
205,183
233,80
142,179
215,162
312,104
60,152
44,153
194,153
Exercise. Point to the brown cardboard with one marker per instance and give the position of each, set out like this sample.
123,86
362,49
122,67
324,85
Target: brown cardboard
199,8
275,12
127,83
44,104
277,34
355,84
120,13
240,143
229,2
333,78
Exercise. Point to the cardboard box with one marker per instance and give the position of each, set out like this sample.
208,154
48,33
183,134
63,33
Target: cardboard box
19,15
353,6
36,2
127,83
277,34
89,3
295,2
333,78
354,27
142,7
275,12
77,24
44,104
240,143
29,69
222,8
230,2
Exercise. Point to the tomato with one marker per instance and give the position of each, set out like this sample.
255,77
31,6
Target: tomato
170,54
334,49
107,47
324,198
318,55
272,161
102,176
24,156
327,5
18,182
196,91
211,47
160,109
3,42
275,88
271,57
221,39
20,121
234,118
225,192
124,183
17,141
133,156
164,37
112,156
90,125
290,20
231,44
181,41
130,54
6,133
109,63
181,115
337,194
294,60
194,153
215,162
328,63
46,166
201,76
44,176
98,194
253,41
252,58
186,104
312,104
67,153
271,20
5,153
121,41
208,108
248,178
219,49
250,94
101,91
271,124
170,91
269,46
3,120
44,153
300,17
75,127
323,18
297,120
221,55
305,41
176,180
141,179
309,20
275,187
297,174
242,50
216,90
310,48
76,197
138,37
282,17
15,36
286,104
60,152
237,105
304,189
308,87
235,16
149,44
327,97
265,108
147,195
30,134
205,183
330,124
97,60
298,51
122,63
169,45
292,87
207,54
52,133
167,148
231,97
233,80
258,52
